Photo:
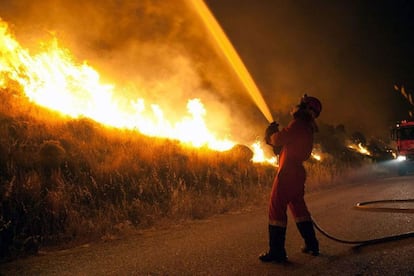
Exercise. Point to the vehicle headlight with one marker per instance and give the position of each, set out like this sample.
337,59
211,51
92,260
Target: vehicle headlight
401,158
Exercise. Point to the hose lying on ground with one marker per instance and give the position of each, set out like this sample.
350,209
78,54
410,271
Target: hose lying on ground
365,206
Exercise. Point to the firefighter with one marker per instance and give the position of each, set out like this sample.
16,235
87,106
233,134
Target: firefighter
295,143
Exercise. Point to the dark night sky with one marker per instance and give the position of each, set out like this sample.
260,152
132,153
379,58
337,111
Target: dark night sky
348,53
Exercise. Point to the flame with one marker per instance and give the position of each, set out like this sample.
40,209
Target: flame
259,155
360,148
54,80
316,156
316,153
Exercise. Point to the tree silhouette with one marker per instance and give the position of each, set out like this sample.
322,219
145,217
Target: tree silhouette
407,95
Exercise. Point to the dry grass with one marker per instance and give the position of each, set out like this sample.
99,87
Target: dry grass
65,180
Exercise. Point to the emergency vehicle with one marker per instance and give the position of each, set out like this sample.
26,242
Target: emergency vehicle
403,135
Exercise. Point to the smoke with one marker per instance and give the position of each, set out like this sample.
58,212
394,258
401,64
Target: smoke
152,49
348,54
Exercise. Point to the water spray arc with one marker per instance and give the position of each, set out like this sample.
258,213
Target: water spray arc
232,56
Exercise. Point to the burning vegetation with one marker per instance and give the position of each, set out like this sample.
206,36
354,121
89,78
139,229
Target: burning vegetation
54,80
79,161
64,179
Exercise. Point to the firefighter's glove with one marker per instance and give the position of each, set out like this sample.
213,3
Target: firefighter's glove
270,130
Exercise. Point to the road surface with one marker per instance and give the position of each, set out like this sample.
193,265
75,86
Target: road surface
229,244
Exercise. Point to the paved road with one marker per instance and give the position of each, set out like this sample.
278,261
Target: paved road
229,244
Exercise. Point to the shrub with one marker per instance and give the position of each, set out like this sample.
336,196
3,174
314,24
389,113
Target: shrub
51,156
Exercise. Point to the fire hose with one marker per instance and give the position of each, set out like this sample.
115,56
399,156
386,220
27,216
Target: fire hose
367,206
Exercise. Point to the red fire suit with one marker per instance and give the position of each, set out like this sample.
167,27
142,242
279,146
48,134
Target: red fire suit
289,184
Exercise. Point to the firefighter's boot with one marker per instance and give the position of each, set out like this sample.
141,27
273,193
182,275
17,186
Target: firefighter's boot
277,252
308,234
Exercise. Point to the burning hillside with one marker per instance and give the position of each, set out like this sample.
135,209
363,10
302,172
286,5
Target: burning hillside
157,104
54,79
